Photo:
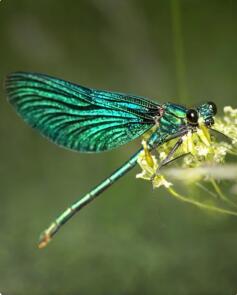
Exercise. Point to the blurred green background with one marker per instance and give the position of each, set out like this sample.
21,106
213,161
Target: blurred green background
132,240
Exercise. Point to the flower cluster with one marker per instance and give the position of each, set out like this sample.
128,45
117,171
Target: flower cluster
228,124
201,154
149,165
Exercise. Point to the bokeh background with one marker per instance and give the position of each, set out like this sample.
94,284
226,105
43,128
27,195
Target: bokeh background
132,240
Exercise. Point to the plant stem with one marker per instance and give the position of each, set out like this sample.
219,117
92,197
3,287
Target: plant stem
220,193
199,204
179,51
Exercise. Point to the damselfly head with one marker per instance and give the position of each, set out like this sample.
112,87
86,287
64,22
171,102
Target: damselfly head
204,112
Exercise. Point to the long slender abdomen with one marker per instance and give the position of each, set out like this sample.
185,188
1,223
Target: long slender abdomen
89,197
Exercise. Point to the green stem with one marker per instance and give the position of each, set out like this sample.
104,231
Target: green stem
220,193
179,51
198,204
206,190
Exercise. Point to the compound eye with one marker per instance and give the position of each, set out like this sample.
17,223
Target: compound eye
213,107
192,116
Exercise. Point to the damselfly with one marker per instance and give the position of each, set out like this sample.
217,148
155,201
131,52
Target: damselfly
90,120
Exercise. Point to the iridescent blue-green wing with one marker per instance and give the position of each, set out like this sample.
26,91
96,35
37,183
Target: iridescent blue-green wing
77,117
